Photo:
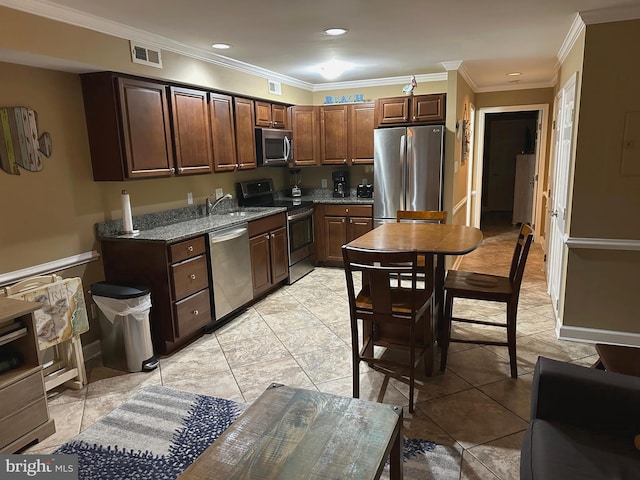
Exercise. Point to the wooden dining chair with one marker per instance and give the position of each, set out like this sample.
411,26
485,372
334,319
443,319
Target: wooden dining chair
437,216
393,317
493,288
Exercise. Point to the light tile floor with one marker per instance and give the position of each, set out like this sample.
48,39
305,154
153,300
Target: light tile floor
300,336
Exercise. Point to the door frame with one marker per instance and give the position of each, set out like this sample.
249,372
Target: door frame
474,195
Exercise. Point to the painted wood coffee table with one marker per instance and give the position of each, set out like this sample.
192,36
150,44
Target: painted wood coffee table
291,433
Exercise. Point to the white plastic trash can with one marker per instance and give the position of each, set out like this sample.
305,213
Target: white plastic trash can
124,325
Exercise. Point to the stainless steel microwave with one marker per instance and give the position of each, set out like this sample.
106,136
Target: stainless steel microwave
274,147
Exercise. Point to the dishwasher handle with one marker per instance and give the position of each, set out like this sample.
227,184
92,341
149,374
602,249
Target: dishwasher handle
228,234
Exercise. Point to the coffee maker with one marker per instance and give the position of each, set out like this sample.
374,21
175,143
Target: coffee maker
341,185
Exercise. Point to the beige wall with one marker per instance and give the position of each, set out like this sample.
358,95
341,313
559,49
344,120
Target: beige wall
371,93
605,201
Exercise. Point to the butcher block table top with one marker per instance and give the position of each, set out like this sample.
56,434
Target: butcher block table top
423,237
291,433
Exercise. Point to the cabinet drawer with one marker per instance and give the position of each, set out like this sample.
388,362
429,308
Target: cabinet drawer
266,224
24,391
187,249
23,421
192,313
189,277
348,210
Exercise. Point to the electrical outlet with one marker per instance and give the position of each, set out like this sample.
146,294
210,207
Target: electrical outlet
324,183
189,198
219,193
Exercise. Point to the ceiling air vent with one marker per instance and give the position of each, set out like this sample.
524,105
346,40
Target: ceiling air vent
274,87
145,55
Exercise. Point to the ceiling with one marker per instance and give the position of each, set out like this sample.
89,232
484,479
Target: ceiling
385,39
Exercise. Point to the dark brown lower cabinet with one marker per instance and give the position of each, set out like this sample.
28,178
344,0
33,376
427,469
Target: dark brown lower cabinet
269,253
337,225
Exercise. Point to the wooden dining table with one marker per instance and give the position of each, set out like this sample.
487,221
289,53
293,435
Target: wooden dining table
435,239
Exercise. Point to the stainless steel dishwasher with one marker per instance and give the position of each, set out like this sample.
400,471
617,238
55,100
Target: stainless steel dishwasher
230,268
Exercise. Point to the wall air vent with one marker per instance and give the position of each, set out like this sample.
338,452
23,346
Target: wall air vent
274,87
145,55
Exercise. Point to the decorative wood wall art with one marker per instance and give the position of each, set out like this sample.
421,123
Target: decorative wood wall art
20,145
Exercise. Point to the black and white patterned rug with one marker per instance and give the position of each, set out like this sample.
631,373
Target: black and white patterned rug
160,431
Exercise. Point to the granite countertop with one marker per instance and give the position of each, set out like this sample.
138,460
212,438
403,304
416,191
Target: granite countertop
175,225
183,228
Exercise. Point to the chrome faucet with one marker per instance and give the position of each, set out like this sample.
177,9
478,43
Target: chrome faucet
209,207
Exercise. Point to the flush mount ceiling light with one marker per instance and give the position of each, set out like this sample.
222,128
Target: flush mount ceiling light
332,69
221,46
514,74
335,31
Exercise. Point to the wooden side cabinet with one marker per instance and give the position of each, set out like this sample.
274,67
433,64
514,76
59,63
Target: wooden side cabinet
338,224
178,276
24,416
269,253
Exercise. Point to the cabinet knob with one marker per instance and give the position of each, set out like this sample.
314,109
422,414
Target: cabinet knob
190,248
346,210
267,236
344,160
196,312
192,276
173,170
180,170
273,235
343,220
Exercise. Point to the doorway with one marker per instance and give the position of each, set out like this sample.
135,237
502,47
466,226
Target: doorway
505,136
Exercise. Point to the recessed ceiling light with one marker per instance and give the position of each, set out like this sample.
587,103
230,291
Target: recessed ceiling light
335,31
221,46
514,74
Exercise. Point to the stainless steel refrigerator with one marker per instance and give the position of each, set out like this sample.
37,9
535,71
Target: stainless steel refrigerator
407,172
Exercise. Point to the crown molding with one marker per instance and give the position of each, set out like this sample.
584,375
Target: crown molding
613,14
516,86
379,82
570,39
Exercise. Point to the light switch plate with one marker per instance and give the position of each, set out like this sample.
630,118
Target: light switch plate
219,193
324,183
189,198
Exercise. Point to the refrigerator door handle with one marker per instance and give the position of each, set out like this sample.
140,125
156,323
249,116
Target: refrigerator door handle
403,169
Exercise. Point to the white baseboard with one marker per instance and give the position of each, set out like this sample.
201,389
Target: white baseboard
593,335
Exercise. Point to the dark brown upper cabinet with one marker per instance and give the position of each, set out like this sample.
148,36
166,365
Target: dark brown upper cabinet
191,131
270,115
128,126
411,109
306,144
223,132
245,135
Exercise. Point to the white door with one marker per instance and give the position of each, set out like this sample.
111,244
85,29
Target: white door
559,186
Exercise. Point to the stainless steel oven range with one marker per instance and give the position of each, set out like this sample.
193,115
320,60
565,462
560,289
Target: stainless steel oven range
300,235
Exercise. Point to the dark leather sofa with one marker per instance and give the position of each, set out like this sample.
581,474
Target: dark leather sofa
583,424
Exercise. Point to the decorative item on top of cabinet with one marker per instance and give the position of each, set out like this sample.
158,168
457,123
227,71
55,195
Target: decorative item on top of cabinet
306,144
191,130
178,277
222,132
271,115
269,252
338,224
411,109
245,135
129,127
25,414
